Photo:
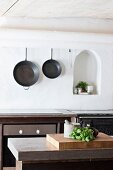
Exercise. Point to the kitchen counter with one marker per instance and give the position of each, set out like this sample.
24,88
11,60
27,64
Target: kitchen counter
37,150
92,113
27,124
33,111
40,149
104,112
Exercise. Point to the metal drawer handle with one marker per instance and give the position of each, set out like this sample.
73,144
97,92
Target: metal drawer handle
37,131
20,131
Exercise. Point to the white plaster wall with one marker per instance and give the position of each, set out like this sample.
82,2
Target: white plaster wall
76,24
55,93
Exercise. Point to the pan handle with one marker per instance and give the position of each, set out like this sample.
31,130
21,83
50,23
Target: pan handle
51,53
26,88
26,54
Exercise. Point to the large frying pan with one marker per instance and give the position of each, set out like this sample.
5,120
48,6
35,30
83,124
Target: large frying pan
51,68
26,73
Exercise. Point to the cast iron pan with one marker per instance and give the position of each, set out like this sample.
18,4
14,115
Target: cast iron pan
51,68
26,73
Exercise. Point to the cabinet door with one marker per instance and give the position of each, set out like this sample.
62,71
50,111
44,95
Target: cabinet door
35,129
104,125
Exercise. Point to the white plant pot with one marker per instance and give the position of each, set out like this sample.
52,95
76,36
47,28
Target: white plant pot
90,89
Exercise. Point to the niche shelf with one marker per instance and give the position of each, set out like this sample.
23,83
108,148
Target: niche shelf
87,68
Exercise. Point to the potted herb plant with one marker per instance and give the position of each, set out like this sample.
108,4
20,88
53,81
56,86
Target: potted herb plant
82,85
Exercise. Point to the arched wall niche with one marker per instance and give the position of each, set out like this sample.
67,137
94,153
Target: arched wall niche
87,68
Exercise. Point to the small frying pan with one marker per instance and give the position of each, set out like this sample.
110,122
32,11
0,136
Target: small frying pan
26,73
51,68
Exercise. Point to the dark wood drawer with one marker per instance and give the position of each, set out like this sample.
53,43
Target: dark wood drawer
39,129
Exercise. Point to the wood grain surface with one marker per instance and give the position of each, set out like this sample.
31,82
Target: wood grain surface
101,141
58,8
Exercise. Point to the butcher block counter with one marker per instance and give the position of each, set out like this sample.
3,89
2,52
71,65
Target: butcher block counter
38,153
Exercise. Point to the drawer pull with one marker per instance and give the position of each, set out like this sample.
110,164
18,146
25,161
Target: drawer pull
20,131
37,131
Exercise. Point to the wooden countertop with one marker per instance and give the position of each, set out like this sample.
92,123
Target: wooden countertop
39,149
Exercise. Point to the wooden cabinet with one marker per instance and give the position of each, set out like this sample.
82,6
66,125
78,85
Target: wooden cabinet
23,130
38,129
0,146
26,126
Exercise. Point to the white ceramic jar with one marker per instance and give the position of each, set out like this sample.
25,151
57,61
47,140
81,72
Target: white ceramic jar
90,89
68,128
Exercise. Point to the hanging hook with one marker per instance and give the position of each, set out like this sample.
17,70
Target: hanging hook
70,58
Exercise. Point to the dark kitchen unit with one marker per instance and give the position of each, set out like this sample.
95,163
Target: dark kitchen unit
27,125
39,124
101,120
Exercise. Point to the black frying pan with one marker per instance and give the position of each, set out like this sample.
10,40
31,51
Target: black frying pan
51,68
26,73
